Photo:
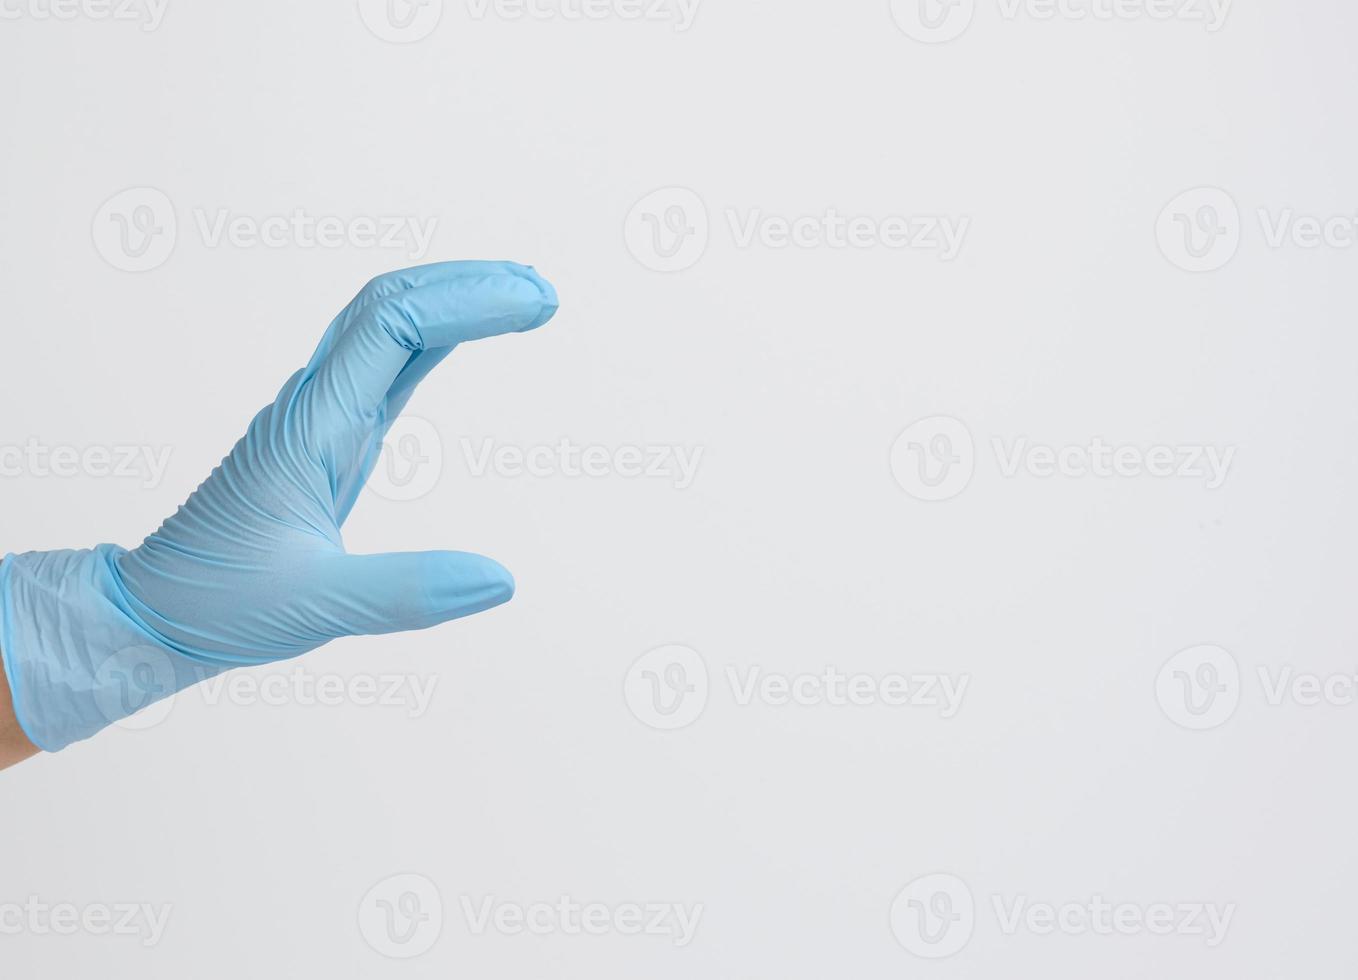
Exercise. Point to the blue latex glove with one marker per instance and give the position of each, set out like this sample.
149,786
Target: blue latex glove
252,569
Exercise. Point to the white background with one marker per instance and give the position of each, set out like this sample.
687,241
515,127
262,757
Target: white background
1062,777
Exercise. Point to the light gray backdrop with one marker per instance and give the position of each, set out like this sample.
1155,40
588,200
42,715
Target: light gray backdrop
931,508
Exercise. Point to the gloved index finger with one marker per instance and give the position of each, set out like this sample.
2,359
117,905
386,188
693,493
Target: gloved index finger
357,372
391,283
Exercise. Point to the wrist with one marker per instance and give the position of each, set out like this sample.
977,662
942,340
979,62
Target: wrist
15,745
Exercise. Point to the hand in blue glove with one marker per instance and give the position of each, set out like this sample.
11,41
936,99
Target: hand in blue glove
252,569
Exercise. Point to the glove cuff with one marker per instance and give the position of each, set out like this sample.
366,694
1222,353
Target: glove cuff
78,659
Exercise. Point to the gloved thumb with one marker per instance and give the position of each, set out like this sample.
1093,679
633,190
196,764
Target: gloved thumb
392,593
